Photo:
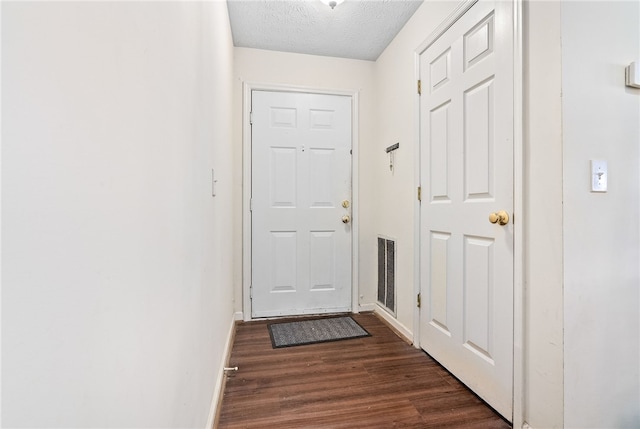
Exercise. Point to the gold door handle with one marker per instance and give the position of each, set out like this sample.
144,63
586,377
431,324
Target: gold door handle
500,217
345,204
346,219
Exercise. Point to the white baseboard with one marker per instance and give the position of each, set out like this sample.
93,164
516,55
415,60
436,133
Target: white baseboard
393,322
217,391
238,315
367,307
526,426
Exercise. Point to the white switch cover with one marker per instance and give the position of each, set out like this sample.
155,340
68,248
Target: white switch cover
598,176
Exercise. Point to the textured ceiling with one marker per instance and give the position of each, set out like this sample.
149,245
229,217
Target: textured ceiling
359,29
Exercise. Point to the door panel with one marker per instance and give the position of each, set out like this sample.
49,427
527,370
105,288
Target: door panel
466,123
322,251
284,251
301,173
321,162
478,140
439,285
282,189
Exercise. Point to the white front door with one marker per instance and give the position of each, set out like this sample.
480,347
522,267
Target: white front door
466,119
301,183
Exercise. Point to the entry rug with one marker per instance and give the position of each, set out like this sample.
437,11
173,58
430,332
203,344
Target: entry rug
304,332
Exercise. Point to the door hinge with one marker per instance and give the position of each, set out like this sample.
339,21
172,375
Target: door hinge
419,87
419,193
419,300
250,204
250,291
251,118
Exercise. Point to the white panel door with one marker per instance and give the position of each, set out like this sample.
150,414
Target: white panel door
466,117
301,175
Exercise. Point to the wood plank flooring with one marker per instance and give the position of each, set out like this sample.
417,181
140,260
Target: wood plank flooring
373,382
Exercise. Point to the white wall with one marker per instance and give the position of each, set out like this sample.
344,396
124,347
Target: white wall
601,120
542,196
271,67
116,282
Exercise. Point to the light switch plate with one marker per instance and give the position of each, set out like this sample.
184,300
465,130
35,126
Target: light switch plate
599,176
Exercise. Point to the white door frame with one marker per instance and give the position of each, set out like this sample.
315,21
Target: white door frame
518,207
247,88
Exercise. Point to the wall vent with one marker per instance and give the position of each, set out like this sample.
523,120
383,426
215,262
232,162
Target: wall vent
387,274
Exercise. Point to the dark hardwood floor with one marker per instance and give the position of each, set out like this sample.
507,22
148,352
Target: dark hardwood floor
373,382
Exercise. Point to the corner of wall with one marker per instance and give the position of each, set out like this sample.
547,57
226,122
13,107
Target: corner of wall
394,324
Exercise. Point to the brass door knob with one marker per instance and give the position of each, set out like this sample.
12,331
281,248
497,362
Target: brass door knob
346,219
500,217
345,204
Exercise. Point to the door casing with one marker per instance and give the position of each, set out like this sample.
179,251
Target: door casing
518,183
248,87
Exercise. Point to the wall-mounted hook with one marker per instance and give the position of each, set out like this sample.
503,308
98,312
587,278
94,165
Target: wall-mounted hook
390,150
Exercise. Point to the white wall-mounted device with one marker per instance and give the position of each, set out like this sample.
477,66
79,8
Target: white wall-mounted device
632,74
598,175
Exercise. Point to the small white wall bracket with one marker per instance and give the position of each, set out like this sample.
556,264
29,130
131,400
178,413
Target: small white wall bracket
632,75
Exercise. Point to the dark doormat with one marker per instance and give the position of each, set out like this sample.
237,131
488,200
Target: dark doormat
303,332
